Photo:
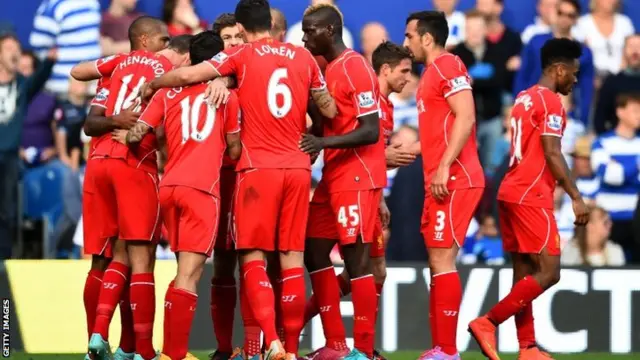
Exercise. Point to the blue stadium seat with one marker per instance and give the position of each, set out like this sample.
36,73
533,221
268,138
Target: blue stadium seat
43,194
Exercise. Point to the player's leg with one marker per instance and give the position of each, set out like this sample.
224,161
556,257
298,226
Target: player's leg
444,227
523,267
255,235
312,309
322,236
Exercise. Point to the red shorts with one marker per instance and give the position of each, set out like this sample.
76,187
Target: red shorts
128,201
445,223
343,216
378,246
94,242
527,229
191,218
224,239
270,209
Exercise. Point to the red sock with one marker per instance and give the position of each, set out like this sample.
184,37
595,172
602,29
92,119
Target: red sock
292,303
276,282
525,327
166,340
432,313
251,328
90,296
363,290
379,294
311,308
143,304
113,283
521,295
327,293
223,305
447,306
262,300
183,307
127,335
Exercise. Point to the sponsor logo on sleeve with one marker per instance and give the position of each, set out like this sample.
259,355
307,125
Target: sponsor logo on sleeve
554,122
459,83
102,95
220,58
365,99
106,59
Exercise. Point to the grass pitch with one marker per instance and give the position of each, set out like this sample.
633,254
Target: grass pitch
402,355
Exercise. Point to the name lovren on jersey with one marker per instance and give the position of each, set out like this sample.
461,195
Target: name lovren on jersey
280,51
158,68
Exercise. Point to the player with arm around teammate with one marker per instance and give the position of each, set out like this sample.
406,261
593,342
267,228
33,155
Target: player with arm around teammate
525,198
454,179
190,192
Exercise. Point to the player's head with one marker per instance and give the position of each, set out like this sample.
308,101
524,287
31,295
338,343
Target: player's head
278,24
392,63
226,27
253,16
559,59
322,26
204,46
425,30
178,50
148,33
628,110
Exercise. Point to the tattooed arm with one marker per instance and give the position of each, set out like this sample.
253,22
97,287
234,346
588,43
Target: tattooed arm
137,132
324,102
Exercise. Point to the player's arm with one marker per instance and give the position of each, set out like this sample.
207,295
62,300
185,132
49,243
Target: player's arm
462,106
151,118
234,146
325,104
181,77
317,120
97,124
137,132
366,133
85,71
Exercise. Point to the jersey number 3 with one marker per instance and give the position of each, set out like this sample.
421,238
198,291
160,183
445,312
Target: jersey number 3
191,116
274,88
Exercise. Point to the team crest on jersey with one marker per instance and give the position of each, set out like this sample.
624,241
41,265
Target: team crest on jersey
459,83
220,58
554,122
365,99
102,95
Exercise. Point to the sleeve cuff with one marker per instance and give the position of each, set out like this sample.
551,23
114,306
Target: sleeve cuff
214,67
368,112
552,134
146,123
455,91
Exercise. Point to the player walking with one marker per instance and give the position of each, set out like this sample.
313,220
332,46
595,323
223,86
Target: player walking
189,192
345,204
275,80
454,180
392,65
525,198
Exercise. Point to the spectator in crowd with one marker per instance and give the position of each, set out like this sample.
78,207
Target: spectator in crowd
626,81
16,91
404,136
225,26
567,13
586,180
591,245
505,39
572,131
565,218
405,111
486,67
604,30
455,19
542,23
278,24
181,18
502,145
488,243
372,35
74,28
294,35
114,27
615,158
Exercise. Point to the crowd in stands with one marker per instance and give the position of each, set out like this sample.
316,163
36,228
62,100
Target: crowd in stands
41,114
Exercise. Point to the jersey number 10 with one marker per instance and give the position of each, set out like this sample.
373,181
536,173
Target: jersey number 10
190,117
516,141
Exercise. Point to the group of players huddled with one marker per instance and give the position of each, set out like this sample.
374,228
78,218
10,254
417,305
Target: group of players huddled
228,109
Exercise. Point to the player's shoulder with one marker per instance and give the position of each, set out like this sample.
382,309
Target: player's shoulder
448,61
549,98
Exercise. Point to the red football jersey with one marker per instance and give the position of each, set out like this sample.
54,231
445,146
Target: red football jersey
274,80
100,100
446,76
354,86
127,77
386,119
537,112
195,135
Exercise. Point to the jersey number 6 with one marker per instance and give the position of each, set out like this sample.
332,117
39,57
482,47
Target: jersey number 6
273,89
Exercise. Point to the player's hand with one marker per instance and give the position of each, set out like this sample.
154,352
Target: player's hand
120,136
311,144
396,156
128,117
439,183
146,92
581,211
217,93
385,214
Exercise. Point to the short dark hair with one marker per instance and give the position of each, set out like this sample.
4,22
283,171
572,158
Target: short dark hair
576,5
624,99
180,43
432,22
388,53
279,21
204,46
9,36
559,50
222,22
328,15
141,26
254,15
474,13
